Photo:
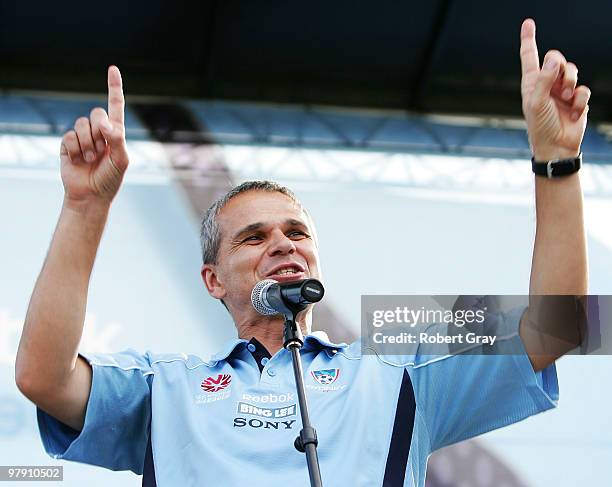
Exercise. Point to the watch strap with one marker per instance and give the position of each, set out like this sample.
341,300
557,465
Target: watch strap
556,167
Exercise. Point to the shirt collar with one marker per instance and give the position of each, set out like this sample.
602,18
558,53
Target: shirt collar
316,340
319,338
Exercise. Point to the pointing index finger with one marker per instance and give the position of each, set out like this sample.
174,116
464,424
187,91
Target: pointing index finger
115,96
529,49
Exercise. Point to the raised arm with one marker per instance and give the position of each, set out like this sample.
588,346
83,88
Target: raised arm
556,113
93,161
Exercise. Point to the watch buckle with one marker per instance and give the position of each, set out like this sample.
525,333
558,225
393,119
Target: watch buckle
549,169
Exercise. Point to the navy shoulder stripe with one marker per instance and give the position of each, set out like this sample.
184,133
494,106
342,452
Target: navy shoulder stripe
401,438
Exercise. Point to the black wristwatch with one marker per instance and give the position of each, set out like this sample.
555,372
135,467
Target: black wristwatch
556,167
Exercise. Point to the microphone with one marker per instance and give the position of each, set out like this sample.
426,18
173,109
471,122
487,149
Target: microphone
269,297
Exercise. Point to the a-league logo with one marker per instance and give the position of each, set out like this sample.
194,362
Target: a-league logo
216,384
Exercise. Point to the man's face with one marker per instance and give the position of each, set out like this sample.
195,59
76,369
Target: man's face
264,235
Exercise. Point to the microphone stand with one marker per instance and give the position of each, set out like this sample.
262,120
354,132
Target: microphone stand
307,441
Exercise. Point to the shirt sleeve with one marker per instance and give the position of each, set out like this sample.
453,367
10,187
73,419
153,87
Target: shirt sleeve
117,420
468,394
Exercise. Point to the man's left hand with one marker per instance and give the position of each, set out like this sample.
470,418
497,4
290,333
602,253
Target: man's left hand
554,107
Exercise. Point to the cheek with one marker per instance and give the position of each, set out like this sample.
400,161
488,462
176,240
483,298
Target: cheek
311,254
243,262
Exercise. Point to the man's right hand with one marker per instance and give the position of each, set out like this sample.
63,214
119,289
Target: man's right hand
94,156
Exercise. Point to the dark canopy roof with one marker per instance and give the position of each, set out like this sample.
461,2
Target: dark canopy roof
434,55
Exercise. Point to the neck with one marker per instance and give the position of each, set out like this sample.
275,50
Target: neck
268,330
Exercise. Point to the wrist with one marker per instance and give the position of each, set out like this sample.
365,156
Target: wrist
554,168
545,155
86,207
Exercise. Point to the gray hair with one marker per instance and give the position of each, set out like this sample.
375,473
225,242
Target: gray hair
210,233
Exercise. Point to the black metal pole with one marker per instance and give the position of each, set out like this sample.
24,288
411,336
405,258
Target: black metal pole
307,441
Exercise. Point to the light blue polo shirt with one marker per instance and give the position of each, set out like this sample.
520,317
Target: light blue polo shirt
232,420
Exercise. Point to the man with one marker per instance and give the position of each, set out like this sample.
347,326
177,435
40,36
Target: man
185,421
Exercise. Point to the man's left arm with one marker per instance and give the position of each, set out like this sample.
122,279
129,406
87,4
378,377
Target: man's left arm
556,113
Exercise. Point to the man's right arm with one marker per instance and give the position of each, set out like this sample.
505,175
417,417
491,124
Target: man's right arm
48,369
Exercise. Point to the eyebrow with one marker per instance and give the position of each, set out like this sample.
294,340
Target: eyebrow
292,222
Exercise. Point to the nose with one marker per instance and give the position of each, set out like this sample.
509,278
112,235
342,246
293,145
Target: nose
280,244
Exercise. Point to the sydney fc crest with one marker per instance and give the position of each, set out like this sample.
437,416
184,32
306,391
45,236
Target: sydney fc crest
325,377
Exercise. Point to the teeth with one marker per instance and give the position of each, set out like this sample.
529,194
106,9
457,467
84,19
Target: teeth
286,271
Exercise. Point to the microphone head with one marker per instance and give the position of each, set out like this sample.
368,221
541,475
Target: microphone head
258,297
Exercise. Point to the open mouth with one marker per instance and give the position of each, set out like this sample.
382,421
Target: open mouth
287,272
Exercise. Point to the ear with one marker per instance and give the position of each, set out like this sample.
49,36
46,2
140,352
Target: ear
211,281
